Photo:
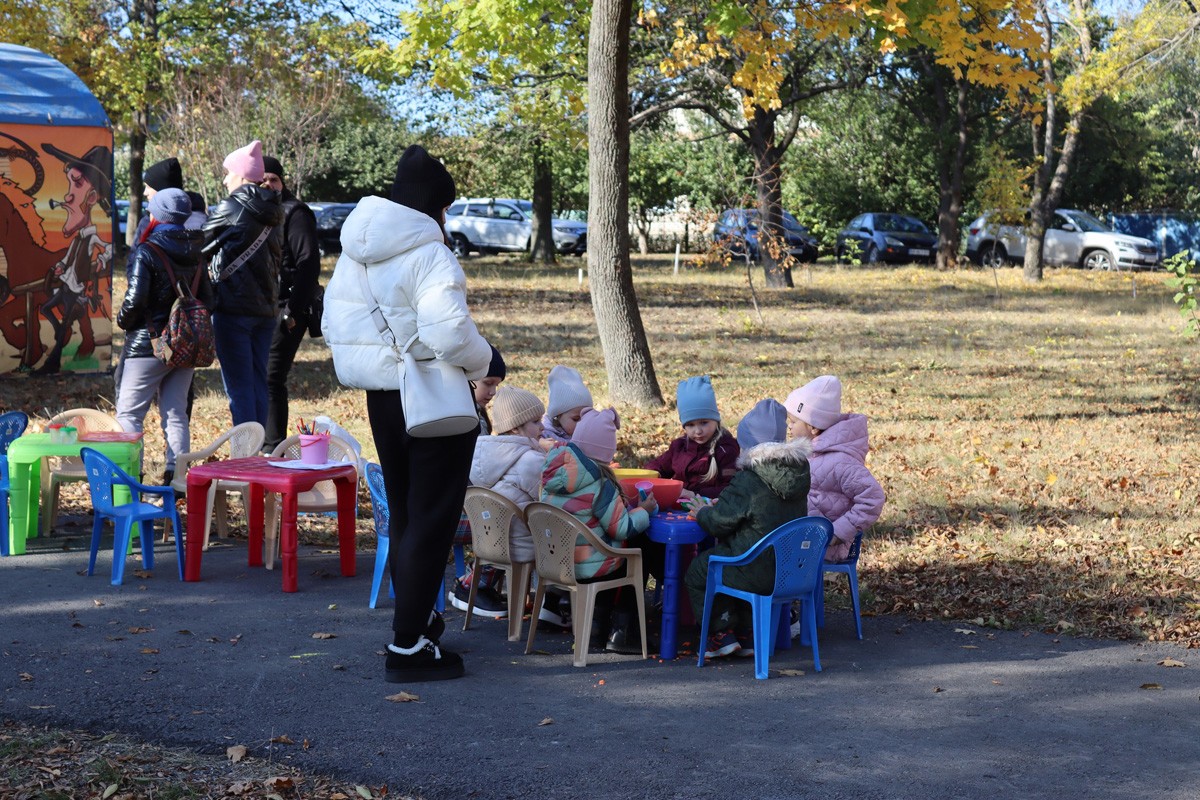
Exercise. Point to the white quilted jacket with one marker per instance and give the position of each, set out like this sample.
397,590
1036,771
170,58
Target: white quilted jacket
419,286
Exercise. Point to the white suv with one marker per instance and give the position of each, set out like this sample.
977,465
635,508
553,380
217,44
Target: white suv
1073,239
491,224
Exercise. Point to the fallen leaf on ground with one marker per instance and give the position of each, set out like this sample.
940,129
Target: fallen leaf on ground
1150,686
109,791
403,697
149,651
791,673
140,629
283,739
965,631
546,721
25,676
937,689
279,782
236,753
363,791
969,647
1170,662
324,636
141,573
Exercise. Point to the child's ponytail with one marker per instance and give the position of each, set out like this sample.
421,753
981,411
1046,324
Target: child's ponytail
712,453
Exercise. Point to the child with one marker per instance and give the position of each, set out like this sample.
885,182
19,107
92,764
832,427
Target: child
509,462
569,398
770,488
705,457
766,422
488,602
843,489
576,478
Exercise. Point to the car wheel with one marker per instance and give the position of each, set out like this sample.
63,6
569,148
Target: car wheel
995,256
872,255
839,255
1099,260
460,245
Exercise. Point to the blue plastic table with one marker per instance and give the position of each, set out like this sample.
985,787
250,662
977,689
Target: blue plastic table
680,535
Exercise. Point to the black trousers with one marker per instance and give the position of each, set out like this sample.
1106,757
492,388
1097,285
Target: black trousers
284,344
426,481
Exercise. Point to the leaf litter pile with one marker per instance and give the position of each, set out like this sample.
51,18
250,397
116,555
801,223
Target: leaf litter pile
1038,444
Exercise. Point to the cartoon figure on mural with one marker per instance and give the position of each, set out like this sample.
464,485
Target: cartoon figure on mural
73,279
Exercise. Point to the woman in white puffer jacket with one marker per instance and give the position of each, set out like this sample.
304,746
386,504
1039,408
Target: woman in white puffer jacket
420,288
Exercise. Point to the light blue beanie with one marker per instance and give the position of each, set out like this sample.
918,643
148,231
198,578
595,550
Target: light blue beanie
696,400
766,422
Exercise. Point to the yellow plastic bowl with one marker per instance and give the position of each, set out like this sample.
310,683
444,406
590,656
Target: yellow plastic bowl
635,473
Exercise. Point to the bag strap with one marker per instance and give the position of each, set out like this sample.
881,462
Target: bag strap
175,282
236,264
381,323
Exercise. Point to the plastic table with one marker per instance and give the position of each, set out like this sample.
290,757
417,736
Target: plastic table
25,456
288,483
680,535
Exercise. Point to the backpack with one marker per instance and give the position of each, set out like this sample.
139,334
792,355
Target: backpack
187,339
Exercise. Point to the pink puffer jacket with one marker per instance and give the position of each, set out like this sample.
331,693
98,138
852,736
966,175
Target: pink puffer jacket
843,489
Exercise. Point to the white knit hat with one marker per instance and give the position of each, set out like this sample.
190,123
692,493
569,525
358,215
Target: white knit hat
513,407
566,391
818,402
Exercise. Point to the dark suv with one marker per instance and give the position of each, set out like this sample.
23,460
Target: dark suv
737,232
329,225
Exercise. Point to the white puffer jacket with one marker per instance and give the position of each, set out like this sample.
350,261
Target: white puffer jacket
419,286
511,465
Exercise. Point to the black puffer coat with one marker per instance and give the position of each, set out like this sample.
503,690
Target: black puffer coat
235,224
150,295
301,264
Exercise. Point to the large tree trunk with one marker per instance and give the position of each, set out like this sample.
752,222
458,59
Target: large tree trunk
541,237
950,173
772,245
631,376
146,13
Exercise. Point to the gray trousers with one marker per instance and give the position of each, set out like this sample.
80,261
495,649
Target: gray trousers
142,379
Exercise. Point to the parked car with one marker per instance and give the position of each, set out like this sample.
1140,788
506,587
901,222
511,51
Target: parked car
1073,239
121,211
330,217
1174,231
877,237
737,231
492,224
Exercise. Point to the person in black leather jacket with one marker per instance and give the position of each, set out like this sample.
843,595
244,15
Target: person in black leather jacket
144,312
244,268
298,274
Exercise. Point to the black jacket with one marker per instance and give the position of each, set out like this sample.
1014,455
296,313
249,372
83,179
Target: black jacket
235,224
301,264
150,295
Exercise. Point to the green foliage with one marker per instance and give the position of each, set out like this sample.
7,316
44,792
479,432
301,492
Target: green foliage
1187,286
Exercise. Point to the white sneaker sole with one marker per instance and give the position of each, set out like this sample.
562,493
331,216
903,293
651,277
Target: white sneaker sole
461,605
723,651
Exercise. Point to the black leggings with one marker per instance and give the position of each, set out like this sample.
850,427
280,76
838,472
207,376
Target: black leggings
426,481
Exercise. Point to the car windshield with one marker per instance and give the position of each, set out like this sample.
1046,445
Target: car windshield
789,222
898,223
526,206
1086,222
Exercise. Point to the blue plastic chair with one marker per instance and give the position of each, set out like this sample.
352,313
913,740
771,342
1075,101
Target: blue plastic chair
12,425
799,552
849,567
379,508
102,476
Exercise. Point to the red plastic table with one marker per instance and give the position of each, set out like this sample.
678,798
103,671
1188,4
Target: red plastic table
680,534
288,483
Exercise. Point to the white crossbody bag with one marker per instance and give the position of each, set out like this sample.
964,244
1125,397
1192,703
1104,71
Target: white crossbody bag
436,395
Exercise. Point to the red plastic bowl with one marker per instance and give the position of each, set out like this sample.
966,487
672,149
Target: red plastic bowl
666,490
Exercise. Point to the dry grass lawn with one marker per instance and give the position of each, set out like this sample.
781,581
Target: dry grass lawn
1037,444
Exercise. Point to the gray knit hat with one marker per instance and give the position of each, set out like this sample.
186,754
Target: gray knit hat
172,206
566,391
512,407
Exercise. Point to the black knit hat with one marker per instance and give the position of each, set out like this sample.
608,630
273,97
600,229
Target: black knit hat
166,174
272,165
496,368
422,183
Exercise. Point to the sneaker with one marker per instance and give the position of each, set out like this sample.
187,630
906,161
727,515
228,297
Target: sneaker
745,640
424,661
487,602
626,636
551,612
721,644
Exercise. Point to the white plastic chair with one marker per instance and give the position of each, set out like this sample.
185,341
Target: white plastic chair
491,516
322,497
555,533
244,440
69,469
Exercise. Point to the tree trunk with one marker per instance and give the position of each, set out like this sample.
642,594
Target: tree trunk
146,13
641,221
627,359
951,169
541,236
772,246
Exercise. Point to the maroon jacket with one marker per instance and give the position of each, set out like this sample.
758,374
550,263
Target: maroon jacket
687,461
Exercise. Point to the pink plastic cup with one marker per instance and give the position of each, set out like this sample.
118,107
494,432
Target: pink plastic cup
314,448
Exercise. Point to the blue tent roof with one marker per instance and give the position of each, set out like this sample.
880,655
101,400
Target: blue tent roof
35,89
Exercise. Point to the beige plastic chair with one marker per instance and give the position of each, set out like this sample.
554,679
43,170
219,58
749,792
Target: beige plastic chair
555,533
244,441
322,497
491,515
69,469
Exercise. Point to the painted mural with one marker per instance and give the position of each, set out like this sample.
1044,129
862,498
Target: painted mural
56,249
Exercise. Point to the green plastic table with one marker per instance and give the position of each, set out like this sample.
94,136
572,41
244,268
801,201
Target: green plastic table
25,456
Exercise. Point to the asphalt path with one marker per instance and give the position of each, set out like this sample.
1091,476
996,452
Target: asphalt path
915,710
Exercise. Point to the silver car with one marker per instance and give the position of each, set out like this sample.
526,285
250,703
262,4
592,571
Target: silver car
493,224
1073,239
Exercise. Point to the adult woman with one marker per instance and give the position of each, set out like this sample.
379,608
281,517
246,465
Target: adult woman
245,274
399,244
144,313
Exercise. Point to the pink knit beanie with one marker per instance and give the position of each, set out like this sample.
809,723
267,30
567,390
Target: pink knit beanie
247,162
596,434
818,402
